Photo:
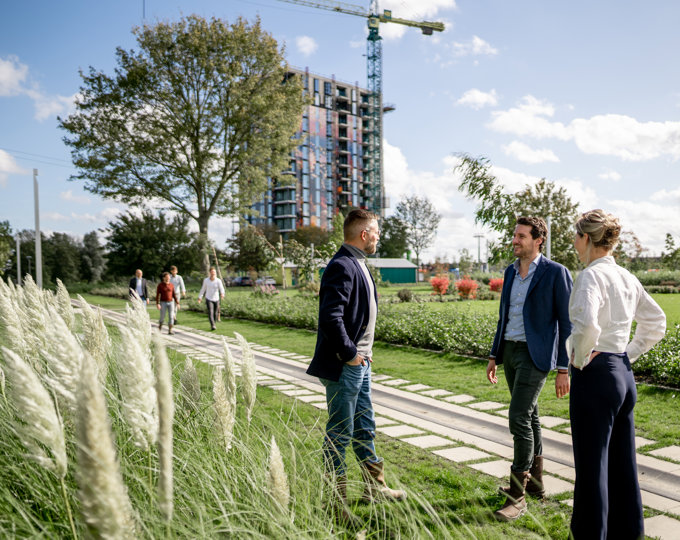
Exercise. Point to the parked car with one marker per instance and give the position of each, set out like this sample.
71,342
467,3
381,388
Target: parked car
267,280
242,281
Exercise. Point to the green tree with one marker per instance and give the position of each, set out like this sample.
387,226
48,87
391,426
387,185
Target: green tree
151,242
310,234
250,249
498,210
61,258
6,246
337,235
421,221
199,117
92,260
671,254
393,238
465,262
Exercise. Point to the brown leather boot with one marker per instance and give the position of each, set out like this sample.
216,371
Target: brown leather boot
376,488
341,512
515,504
535,487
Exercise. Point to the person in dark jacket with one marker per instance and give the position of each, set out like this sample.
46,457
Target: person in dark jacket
348,307
138,285
530,341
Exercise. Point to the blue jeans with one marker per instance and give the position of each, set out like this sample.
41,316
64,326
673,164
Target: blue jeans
350,418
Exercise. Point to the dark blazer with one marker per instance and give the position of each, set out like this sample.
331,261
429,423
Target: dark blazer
133,287
546,315
343,315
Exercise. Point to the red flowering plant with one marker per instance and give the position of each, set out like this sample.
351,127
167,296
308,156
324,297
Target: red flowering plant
467,288
440,284
496,284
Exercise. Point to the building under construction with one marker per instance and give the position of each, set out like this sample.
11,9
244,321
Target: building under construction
328,169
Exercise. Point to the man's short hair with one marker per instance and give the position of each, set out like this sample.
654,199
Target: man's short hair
165,274
173,267
539,229
356,221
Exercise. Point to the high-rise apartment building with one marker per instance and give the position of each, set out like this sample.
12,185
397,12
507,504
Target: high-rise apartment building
327,169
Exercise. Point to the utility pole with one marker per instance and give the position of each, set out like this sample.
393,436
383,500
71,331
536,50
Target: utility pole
548,240
479,237
18,239
38,247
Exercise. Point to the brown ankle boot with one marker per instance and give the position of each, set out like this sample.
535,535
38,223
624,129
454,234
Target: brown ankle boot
535,487
515,504
376,488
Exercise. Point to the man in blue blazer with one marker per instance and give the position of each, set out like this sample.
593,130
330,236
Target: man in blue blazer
530,341
348,307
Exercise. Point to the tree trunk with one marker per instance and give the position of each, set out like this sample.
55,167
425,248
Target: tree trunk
204,243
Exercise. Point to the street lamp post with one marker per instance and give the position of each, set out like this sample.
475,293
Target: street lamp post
479,237
18,260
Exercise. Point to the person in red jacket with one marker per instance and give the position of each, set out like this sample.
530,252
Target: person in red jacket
165,301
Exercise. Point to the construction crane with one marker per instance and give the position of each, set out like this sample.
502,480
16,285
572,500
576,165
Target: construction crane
373,176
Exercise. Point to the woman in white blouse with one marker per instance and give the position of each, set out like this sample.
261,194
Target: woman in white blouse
604,302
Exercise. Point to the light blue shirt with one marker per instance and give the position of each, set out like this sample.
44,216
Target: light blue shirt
514,330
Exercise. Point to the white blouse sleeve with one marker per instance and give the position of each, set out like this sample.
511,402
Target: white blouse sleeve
651,326
584,306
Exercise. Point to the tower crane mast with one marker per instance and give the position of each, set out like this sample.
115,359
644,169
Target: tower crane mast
373,176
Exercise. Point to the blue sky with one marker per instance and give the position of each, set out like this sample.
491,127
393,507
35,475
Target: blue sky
583,93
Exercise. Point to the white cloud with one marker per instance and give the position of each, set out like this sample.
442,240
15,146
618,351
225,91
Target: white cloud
8,166
14,81
648,220
610,174
69,196
668,196
306,45
477,99
609,134
526,154
474,47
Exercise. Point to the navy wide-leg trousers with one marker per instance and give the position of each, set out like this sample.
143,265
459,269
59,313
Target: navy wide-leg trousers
607,503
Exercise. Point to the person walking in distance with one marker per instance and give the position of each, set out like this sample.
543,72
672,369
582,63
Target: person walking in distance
604,303
530,341
166,299
180,289
213,290
342,360
139,286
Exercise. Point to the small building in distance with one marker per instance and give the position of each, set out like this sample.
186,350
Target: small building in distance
395,270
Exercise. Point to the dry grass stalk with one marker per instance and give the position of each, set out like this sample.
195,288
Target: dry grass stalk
248,375
95,337
37,423
225,417
137,388
104,500
137,317
277,479
10,323
166,413
64,306
191,388
229,373
32,316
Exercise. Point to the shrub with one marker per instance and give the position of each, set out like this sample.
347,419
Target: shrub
496,284
467,288
664,289
311,288
440,285
662,277
265,291
405,295
662,363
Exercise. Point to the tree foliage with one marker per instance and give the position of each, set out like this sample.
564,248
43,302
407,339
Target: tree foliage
310,234
6,246
152,242
671,254
249,249
92,260
421,221
498,210
393,238
198,117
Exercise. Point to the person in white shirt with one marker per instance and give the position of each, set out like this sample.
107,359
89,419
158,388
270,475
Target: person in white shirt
605,301
180,289
213,290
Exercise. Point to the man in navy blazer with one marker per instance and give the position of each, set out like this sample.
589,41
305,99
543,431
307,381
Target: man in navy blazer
530,341
348,307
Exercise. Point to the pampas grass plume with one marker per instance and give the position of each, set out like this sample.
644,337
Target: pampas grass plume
277,479
38,423
64,306
137,317
191,388
166,413
95,337
104,501
224,410
248,375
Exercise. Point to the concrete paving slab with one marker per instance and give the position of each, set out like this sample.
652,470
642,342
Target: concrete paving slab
641,441
438,392
288,354
395,382
568,502
298,392
670,452
382,421
487,405
554,485
461,454
428,441
320,405
552,421
658,464
270,382
663,527
503,412
416,387
280,387
499,468
400,430
312,398
377,377
660,503
565,471
459,398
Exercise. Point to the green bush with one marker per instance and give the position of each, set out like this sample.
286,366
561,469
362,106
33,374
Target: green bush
405,295
663,277
662,363
665,289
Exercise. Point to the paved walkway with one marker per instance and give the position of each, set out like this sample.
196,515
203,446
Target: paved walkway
457,427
